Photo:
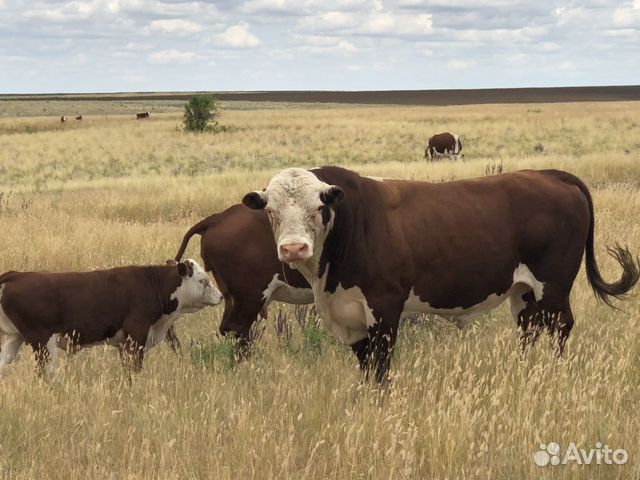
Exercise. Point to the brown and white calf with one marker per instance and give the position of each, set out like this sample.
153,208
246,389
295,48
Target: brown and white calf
376,251
237,247
443,145
129,307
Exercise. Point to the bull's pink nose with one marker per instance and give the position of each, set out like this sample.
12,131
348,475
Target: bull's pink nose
294,251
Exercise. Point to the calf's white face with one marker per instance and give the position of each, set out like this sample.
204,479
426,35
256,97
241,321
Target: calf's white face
299,208
196,291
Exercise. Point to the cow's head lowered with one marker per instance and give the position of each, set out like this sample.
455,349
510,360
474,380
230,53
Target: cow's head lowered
196,290
301,211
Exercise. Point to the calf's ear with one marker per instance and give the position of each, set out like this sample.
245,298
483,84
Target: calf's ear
255,200
333,195
183,269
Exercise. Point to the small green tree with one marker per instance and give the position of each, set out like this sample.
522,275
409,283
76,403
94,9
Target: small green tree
200,113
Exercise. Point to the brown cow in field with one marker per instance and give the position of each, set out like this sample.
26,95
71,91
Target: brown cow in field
237,247
64,119
129,307
79,117
142,115
378,250
443,145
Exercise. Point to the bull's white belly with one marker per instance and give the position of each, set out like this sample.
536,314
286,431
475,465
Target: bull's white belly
347,315
523,281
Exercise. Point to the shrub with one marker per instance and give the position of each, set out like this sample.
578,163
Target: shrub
200,114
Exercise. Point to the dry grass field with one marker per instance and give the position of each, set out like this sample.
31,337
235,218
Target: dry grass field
111,191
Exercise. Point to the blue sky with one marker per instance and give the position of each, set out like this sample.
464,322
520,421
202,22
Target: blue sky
170,45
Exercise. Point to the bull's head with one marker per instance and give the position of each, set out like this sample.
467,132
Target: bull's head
301,211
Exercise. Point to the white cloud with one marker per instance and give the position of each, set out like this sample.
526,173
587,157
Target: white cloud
238,36
301,7
567,66
175,26
458,65
329,21
548,47
171,56
458,4
398,25
93,38
319,44
158,7
292,7
69,12
627,17
282,54
137,46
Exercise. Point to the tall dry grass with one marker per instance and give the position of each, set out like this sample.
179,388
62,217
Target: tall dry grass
463,404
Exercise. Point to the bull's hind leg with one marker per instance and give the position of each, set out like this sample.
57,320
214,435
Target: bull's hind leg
552,312
528,316
562,325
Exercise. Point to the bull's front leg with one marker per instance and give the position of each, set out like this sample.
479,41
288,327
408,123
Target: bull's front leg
361,349
382,340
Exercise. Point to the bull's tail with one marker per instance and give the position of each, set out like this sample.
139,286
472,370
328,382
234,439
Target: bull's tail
197,229
630,273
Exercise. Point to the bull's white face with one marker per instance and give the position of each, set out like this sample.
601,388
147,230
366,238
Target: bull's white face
196,291
299,208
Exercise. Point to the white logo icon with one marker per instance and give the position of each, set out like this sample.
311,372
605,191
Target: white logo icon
549,454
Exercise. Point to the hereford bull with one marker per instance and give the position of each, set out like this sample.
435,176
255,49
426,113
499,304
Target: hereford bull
128,307
443,145
375,251
237,247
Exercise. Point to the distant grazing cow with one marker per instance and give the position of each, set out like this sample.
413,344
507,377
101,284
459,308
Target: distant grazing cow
64,119
128,307
237,247
142,115
443,145
376,251
79,117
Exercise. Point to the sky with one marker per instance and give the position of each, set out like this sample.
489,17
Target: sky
51,46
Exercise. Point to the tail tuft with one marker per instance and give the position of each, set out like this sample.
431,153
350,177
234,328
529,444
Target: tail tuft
621,288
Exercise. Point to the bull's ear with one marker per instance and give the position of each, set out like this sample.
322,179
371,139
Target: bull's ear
255,200
332,195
